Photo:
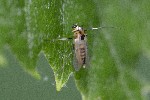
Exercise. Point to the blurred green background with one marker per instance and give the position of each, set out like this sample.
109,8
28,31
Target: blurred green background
16,84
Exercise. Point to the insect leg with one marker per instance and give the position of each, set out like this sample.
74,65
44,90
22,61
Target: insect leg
62,39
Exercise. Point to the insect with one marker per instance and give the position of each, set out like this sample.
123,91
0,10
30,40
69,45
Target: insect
80,46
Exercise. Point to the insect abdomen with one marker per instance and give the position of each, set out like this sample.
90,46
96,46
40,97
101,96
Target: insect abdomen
80,54
82,51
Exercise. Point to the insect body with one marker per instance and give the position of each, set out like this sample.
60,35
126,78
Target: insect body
80,47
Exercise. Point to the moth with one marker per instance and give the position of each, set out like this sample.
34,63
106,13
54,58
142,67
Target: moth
80,47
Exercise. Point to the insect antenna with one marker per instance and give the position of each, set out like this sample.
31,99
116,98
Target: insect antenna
96,28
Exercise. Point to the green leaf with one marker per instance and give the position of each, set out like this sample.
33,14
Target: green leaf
117,55
17,32
26,26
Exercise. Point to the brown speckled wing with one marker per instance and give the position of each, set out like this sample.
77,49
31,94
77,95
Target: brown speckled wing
80,54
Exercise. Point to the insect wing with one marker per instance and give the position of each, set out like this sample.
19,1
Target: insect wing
80,54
